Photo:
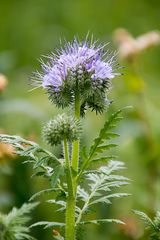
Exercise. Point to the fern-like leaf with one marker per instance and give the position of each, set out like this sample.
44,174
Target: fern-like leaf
45,163
61,204
42,192
29,149
99,184
13,225
144,217
98,221
99,146
48,224
152,225
105,134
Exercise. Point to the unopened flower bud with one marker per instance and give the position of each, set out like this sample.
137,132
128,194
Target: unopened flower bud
60,128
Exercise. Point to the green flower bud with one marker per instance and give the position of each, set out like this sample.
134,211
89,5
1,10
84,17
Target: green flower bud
60,128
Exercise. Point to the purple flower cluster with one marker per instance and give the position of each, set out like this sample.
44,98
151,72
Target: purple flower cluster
81,68
86,55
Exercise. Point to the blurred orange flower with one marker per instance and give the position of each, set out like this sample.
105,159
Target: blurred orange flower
6,150
3,82
130,47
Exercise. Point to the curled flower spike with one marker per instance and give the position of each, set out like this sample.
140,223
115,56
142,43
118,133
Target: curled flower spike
61,128
80,66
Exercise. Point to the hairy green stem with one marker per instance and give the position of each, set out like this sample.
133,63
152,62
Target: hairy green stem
71,198
70,206
70,218
72,176
75,144
68,169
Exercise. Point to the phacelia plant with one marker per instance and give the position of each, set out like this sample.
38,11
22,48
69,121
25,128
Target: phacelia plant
77,77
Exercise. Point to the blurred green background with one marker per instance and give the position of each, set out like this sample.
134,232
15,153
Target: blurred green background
32,28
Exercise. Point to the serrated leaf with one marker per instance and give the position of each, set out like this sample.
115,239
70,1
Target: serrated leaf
99,184
110,135
152,225
118,195
29,149
103,159
103,132
14,224
109,185
99,145
58,203
143,216
103,199
42,192
82,194
103,148
112,167
98,221
48,224
117,177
